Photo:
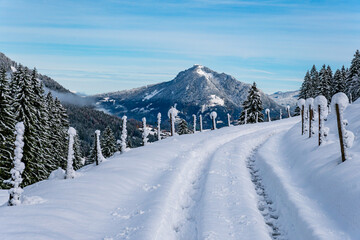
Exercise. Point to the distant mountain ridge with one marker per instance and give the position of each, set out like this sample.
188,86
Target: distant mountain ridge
197,90
286,98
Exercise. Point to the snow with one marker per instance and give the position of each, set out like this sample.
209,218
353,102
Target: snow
172,113
322,102
98,147
341,99
70,173
194,123
201,72
215,101
152,94
213,116
145,132
158,126
309,102
18,166
250,181
123,142
300,103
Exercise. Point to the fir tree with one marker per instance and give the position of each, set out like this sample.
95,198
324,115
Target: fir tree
314,83
305,87
339,81
353,77
253,106
183,127
108,142
7,126
325,82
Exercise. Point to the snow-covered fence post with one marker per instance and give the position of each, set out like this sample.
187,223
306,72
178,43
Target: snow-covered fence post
70,173
321,105
350,98
301,105
310,105
267,112
257,117
229,120
18,167
280,114
158,126
288,111
194,122
340,101
245,119
145,132
123,135
172,113
213,116
98,157
200,120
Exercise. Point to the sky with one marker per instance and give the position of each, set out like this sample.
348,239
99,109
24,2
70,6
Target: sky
98,46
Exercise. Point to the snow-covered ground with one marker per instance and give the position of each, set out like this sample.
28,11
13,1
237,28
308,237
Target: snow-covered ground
259,181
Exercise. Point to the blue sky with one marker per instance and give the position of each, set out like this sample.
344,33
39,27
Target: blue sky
109,45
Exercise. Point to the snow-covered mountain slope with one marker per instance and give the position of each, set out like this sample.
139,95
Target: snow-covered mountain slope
286,98
195,90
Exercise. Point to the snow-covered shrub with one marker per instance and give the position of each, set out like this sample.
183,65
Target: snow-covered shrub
158,126
200,121
194,123
267,112
99,157
172,113
310,113
339,102
320,104
70,173
213,116
301,105
18,167
229,120
123,147
145,132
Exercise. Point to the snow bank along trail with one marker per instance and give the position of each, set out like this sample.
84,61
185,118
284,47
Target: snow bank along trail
185,187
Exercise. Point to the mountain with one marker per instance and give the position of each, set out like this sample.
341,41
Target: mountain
197,90
286,98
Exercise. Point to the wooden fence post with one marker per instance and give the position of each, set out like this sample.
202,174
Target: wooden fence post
171,125
302,119
311,113
339,123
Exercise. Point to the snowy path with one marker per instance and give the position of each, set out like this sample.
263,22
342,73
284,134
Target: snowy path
219,184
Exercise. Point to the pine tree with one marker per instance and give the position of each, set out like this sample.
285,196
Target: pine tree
183,127
314,83
305,87
7,127
108,142
78,159
253,106
353,77
325,82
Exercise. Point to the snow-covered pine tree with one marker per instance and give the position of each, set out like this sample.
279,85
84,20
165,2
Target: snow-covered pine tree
183,127
252,105
7,126
70,173
324,87
108,142
339,81
353,77
17,167
78,158
305,87
158,126
26,111
314,83
145,132
123,143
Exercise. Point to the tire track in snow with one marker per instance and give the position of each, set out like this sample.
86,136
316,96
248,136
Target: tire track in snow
265,204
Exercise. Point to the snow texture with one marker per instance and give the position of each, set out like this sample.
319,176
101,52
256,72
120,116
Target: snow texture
194,123
18,166
123,143
70,172
301,102
98,147
341,99
267,112
213,116
145,132
172,113
158,126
